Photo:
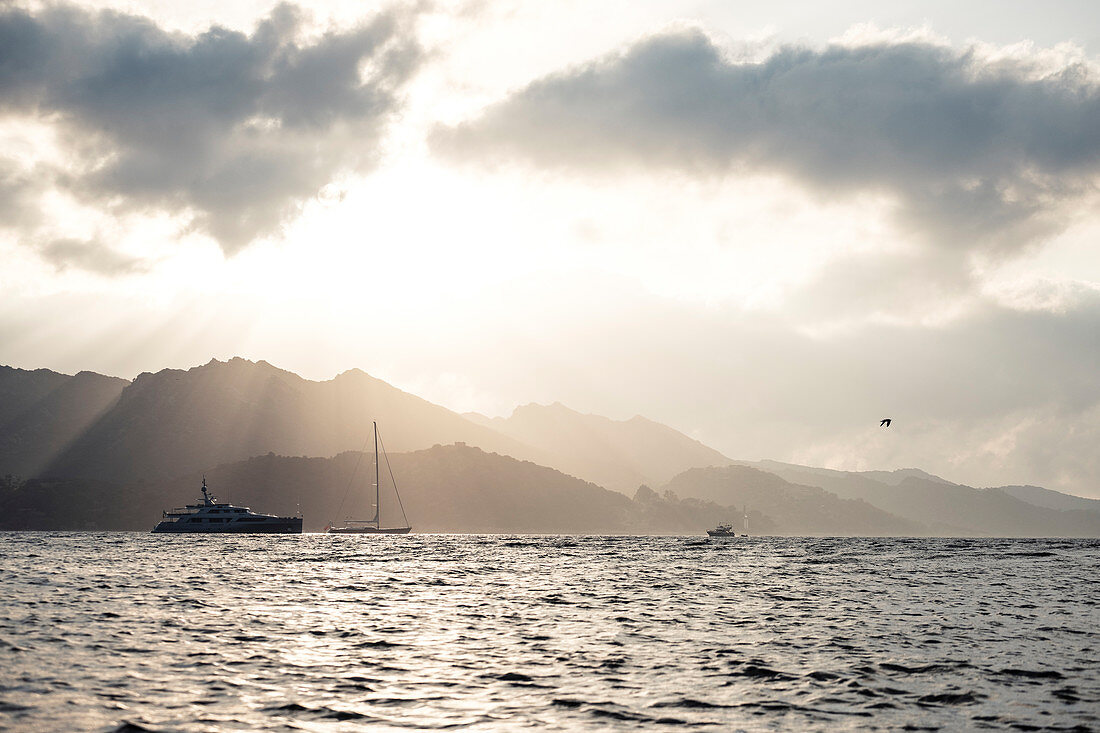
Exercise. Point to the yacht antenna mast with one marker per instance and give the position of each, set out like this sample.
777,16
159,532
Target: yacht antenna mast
377,494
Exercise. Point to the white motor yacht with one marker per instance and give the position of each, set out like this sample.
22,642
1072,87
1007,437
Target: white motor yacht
722,530
212,517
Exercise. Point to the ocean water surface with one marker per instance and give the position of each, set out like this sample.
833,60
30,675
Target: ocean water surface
128,631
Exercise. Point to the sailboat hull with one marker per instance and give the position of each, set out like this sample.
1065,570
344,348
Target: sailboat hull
369,530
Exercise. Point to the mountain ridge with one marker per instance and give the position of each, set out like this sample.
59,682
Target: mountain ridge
168,420
947,508
170,423
446,488
642,451
42,412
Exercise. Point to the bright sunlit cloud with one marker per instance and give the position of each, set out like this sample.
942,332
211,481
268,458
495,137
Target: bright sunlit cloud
761,225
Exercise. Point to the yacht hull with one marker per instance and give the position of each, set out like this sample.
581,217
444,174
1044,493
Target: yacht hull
369,530
282,525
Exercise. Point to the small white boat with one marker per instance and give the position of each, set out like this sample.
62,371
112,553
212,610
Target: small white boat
726,530
210,517
722,530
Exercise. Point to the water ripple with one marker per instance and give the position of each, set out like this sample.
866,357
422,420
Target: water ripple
135,632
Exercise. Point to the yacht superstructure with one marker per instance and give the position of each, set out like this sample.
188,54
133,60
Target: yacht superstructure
212,517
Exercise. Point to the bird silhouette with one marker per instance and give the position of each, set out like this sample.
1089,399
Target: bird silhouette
885,423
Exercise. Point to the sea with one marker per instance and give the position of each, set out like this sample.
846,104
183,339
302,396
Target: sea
134,631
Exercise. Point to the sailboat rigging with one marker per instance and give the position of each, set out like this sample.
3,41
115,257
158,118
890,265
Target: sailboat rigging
374,525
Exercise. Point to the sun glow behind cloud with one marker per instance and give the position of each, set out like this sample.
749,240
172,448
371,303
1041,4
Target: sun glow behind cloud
420,235
702,297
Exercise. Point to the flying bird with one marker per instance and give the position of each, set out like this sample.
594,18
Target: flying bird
885,423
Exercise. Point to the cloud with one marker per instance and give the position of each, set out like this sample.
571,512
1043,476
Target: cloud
233,130
19,189
90,255
908,287
979,154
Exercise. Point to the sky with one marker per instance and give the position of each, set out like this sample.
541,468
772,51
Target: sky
764,225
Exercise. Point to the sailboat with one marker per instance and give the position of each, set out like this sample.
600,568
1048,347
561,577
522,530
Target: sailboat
373,526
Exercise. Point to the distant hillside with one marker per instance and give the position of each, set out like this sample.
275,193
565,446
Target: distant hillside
794,509
20,389
42,412
618,454
86,437
668,513
454,488
892,478
899,475
950,509
174,421
1051,499
458,488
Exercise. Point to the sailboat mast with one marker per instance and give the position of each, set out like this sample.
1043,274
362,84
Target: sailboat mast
377,492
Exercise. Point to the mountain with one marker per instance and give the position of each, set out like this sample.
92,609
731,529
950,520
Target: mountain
42,412
176,421
459,488
21,388
1051,499
945,508
793,509
87,436
618,454
164,424
668,513
899,475
453,488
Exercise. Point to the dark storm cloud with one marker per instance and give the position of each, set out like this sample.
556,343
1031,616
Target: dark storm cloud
235,129
977,154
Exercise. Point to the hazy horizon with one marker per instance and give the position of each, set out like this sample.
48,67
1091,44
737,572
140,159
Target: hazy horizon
597,446
767,227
